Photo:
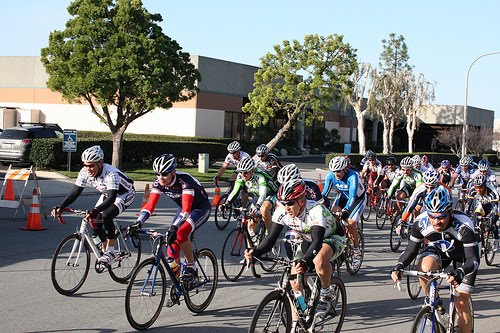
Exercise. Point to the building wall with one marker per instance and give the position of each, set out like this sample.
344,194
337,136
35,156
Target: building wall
454,115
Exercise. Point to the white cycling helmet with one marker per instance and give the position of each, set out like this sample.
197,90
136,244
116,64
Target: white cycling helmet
262,150
288,172
483,165
245,165
337,163
164,164
464,161
234,147
479,180
92,154
416,160
431,178
406,162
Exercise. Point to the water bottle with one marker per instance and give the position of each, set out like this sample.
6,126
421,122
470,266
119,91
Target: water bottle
300,300
97,241
174,265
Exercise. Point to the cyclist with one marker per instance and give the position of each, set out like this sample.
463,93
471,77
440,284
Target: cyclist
117,193
483,199
267,161
426,163
389,172
291,171
192,212
463,172
417,164
233,157
483,167
368,155
259,183
449,236
405,182
323,237
445,171
352,199
372,169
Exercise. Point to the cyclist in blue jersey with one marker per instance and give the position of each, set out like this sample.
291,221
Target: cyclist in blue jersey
351,201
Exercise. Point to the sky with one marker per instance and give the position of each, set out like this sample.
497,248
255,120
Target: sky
443,37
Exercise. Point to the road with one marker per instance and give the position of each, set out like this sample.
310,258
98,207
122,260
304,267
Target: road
30,303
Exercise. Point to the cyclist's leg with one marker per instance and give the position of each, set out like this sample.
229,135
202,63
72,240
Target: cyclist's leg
108,216
430,260
267,210
462,304
332,247
353,219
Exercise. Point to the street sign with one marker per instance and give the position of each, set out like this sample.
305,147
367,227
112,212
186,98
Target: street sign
69,141
347,149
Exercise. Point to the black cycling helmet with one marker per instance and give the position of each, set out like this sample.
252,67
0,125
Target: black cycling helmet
164,164
370,155
390,160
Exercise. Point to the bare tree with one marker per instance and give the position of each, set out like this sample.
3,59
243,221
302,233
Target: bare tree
416,93
479,139
452,138
363,78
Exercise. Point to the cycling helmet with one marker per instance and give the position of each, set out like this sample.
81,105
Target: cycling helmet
234,147
292,190
370,155
416,160
464,161
479,180
164,164
406,162
348,160
431,178
246,164
288,172
470,159
262,150
445,163
92,154
483,165
337,163
425,159
391,160
438,200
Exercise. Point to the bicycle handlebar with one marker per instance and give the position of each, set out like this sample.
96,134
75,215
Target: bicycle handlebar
77,212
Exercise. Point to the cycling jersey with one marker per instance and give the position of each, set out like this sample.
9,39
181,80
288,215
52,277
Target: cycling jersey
429,166
445,174
389,174
463,174
491,178
234,162
350,187
482,204
270,165
374,171
402,180
261,184
417,198
312,191
110,178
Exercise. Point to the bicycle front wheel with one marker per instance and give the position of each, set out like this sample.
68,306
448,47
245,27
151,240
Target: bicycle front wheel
426,321
395,237
353,263
334,318
128,255
412,282
489,249
380,214
70,265
199,293
273,314
233,259
145,294
222,216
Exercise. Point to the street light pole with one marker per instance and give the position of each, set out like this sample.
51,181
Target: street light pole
465,126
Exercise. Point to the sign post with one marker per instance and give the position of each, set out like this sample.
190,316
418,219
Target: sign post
69,144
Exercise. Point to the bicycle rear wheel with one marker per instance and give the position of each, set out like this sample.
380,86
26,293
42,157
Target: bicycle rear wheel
268,266
395,237
222,216
426,321
128,255
334,318
233,259
199,293
273,314
412,282
145,294
489,249
380,214
353,263
70,265
368,209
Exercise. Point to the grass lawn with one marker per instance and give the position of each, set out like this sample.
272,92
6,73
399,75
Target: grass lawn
141,174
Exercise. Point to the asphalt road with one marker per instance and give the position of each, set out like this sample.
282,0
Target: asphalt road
29,303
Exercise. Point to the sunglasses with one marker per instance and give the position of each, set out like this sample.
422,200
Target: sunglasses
288,203
164,174
438,216
246,172
91,165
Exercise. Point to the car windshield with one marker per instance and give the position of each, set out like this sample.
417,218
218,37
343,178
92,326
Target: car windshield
14,134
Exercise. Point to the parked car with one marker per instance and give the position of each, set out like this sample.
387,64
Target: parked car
15,142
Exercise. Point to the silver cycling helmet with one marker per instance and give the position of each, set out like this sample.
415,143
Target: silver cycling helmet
92,154
406,162
246,164
164,164
479,180
464,161
337,163
262,150
483,165
416,160
233,147
431,178
288,172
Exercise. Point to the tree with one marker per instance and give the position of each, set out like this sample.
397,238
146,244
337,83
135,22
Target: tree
452,137
300,80
479,139
394,57
114,55
362,78
417,93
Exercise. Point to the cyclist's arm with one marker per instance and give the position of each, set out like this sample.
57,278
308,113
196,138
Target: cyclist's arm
413,201
413,246
394,184
72,195
353,183
471,251
149,207
108,201
222,169
328,184
267,243
317,235
238,184
262,191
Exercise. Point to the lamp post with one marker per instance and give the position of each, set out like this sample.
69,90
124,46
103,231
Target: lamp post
465,126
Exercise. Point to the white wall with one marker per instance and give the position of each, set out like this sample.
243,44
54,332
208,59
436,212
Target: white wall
210,123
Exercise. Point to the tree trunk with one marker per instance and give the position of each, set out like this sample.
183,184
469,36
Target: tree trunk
274,141
411,125
361,133
391,135
116,159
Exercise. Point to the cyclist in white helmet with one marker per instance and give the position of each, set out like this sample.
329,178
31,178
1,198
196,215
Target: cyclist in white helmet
405,182
483,168
266,161
234,156
291,171
463,172
117,193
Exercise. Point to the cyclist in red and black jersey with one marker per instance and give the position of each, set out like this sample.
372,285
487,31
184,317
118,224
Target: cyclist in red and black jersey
372,169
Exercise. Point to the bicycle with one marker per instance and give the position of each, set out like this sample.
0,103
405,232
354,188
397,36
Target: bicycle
71,259
484,229
462,199
223,215
430,318
381,210
149,285
400,231
233,250
348,256
276,311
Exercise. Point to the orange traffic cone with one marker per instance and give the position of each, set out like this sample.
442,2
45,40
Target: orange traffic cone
34,220
320,183
9,191
145,198
216,198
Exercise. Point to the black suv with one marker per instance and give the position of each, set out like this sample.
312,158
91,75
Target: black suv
15,142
